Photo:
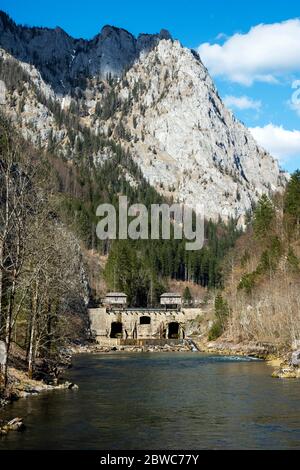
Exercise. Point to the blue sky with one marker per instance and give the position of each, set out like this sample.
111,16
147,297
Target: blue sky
250,48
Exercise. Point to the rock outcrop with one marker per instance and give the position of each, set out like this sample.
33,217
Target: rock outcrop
186,142
162,106
290,367
15,424
62,59
296,358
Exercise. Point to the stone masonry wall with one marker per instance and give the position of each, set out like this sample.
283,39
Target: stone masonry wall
101,321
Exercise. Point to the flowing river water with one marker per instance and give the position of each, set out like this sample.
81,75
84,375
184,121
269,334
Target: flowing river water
162,401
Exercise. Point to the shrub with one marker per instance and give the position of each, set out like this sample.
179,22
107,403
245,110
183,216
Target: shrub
216,331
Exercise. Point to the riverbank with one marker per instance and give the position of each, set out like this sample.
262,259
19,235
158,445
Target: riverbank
286,364
20,386
46,378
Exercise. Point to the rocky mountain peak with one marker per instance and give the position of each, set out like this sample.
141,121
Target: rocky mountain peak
109,29
189,146
165,34
163,109
61,58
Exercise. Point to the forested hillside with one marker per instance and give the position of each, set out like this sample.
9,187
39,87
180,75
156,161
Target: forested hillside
261,300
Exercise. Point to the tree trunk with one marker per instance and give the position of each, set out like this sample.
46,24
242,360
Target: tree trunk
1,281
8,329
49,330
32,351
31,354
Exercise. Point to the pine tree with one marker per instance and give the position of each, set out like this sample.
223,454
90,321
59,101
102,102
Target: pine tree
187,296
292,199
264,216
293,261
221,309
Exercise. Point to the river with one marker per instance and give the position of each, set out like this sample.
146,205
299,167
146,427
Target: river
162,401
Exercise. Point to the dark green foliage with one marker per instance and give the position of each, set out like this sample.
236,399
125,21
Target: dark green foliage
268,264
203,267
187,296
108,105
263,217
216,331
221,309
247,283
128,271
270,257
292,198
222,312
273,232
293,261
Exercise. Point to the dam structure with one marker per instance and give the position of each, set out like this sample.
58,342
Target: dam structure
114,323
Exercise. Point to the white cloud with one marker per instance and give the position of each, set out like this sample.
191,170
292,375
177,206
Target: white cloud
294,102
281,143
265,53
241,102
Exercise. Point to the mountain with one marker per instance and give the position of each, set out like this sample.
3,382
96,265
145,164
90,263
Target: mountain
61,59
149,95
185,139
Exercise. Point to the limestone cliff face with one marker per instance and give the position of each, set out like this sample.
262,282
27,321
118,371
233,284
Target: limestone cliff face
186,141
26,102
163,107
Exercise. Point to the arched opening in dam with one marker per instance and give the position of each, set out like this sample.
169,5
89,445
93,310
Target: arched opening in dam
145,321
116,330
173,331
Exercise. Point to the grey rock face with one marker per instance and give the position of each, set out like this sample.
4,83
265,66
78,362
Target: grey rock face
296,358
61,59
186,142
173,122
